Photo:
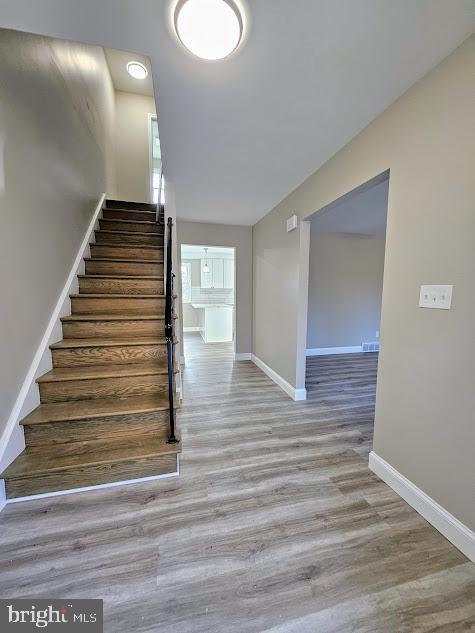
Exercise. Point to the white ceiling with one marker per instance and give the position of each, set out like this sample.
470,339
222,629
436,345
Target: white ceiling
363,212
238,135
117,62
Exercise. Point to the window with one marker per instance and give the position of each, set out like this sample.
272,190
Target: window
186,282
156,163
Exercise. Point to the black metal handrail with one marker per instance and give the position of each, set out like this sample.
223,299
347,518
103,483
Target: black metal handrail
169,331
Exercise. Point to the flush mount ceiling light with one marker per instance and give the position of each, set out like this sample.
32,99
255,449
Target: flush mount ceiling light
210,29
137,70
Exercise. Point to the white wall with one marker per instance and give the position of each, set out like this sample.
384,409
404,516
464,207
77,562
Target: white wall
345,288
132,150
425,402
56,137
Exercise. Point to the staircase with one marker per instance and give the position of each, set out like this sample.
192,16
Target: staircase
104,412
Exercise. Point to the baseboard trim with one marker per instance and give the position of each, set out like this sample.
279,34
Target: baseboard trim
295,394
12,440
238,356
192,329
323,351
454,530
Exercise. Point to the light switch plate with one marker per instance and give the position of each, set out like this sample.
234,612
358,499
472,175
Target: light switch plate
438,297
292,223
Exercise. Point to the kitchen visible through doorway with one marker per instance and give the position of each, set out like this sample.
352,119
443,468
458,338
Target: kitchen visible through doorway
208,294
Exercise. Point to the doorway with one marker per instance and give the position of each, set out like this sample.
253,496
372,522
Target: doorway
347,241
208,299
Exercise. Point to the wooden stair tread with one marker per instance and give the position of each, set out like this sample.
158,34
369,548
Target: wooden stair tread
139,206
128,237
127,245
131,277
122,221
122,260
63,374
116,296
97,316
152,213
128,233
72,410
28,464
108,342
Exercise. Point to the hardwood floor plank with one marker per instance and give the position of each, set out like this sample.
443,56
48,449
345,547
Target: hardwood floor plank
275,525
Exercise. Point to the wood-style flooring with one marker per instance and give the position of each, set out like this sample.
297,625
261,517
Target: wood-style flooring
275,525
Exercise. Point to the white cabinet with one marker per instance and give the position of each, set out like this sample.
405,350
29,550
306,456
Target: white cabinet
214,278
228,265
218,273
206,277
216,322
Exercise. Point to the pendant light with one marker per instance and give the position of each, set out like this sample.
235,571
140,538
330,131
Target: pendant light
206,267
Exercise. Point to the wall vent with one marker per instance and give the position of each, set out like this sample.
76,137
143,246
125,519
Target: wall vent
370,347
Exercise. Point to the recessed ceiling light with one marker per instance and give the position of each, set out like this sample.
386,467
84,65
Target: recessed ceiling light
210,29
137,70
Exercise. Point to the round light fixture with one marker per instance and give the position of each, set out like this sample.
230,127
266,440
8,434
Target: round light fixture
137,70
210,29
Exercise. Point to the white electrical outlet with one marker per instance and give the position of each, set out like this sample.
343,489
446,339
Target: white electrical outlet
439,297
